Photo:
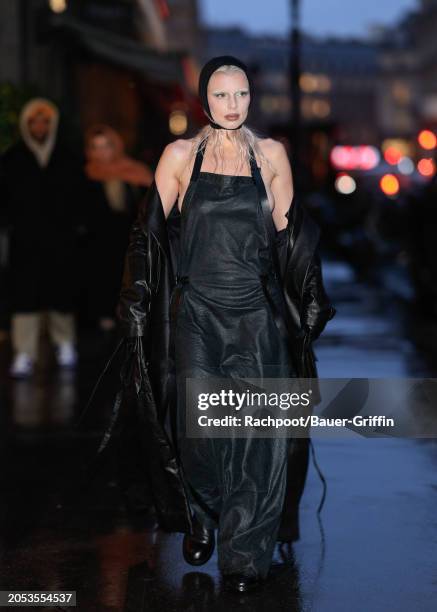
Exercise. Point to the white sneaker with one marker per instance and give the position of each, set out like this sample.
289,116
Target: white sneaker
66,355
22,366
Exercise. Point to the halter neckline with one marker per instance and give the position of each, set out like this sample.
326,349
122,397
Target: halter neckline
198,164
227,176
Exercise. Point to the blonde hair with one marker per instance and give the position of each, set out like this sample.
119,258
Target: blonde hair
245,138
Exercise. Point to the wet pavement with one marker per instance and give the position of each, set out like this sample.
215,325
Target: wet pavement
373,548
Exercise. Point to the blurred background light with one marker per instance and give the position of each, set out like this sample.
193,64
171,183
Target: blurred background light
426,167
369,157
389,184
406,165
275,103
345,184
178,122
362,157
308,82
324,83
427,140
163,8
392,155
311,83
402,145
58,6
321,108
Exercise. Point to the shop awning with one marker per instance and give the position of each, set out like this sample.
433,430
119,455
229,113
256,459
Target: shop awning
157,66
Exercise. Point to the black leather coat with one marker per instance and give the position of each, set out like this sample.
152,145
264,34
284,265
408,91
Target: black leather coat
145,309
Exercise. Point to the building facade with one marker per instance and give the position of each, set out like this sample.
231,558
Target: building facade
127,63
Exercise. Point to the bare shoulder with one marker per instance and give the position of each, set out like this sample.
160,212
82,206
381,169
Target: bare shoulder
274,151
179,148
175,155
277,170
169,170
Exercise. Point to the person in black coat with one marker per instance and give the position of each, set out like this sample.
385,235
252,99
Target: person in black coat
40,206
115,185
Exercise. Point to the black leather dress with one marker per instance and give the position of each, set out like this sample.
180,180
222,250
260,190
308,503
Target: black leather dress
225,328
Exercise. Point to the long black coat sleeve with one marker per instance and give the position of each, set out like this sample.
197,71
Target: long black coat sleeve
147,371
139,282
308,306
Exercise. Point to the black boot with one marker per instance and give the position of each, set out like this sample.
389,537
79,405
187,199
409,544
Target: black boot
198,546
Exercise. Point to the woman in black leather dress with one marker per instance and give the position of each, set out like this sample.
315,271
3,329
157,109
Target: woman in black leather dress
224,324
237,252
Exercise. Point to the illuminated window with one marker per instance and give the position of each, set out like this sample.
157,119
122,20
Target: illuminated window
321,108
401,92
275,104
311,83
324,83
307,107
308,83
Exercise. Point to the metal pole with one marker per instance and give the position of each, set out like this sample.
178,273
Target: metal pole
295,69
23,33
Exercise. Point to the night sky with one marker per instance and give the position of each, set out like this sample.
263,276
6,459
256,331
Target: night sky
321,17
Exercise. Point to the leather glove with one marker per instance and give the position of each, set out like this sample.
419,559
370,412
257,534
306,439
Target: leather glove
316,307
139,282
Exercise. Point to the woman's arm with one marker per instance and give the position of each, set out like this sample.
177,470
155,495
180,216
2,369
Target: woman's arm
168,172
282,183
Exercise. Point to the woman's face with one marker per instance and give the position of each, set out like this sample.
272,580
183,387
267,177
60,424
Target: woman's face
39,126
100,149
228,98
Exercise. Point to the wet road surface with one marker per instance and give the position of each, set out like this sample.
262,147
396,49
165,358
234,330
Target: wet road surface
373,549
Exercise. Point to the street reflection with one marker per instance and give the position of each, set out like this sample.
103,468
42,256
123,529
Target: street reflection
44,405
